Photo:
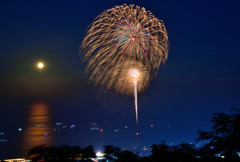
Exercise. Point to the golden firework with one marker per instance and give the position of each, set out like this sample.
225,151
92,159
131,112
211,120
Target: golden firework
122,36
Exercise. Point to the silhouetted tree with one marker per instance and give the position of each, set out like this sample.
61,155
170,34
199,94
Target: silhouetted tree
111,151
36,153
64,153
76,152
184,152
127,156
88,152
224,136
144,159
160,151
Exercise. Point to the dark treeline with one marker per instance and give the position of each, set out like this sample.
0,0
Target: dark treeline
223,146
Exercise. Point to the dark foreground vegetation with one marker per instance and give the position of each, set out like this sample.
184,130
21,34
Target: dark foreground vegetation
223,146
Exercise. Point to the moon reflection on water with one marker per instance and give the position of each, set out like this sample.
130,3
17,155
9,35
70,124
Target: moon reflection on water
39,128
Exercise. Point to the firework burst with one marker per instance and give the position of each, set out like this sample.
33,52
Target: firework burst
119,34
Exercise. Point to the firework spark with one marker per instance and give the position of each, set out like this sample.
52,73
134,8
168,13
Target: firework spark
120,33
132,38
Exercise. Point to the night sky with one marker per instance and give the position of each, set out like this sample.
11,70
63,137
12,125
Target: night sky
200,77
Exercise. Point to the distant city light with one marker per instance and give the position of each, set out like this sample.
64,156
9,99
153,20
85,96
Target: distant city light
58,123
238,153
94,128
19,129
18,159
99,154
101,130
73,126
40,125
3,140
95,124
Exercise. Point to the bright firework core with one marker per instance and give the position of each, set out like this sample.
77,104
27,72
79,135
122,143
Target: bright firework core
134,73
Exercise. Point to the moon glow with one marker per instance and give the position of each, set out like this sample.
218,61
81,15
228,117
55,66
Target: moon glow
40,65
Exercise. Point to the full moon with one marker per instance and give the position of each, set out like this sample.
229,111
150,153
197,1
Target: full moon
40,65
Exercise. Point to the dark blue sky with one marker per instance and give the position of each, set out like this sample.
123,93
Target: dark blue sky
201,76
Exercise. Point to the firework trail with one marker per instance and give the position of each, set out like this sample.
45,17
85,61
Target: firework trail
130,77
121,39
136,106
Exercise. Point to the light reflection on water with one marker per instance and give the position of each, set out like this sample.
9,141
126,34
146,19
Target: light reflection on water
39,128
